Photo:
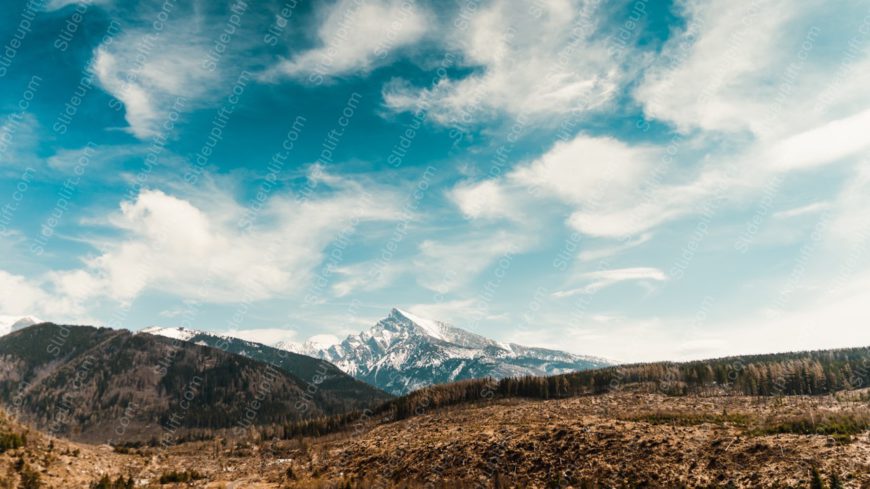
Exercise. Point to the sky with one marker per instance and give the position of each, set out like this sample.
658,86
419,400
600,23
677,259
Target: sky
638,180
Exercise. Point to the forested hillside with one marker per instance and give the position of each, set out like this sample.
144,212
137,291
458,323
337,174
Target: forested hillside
340,387
781,374
100,384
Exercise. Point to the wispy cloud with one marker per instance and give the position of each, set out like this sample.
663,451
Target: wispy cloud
266,336
149,83
604,278
611,250
354,37
802,210
529,60
60,4
445,265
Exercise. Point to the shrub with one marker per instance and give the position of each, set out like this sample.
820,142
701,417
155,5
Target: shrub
106,483
29,478
185,476
11,441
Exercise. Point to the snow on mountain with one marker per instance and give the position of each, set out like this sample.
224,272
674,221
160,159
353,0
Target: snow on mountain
199,337
207,338
177,333
312,347
433,329
403,352
9,324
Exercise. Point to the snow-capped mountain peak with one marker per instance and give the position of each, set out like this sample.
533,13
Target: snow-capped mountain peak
428,327
405,351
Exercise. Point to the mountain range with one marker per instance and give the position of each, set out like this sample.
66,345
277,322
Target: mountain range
400,353
101,384
328,377
404,352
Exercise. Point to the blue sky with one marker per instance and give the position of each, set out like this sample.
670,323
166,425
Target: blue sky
637,180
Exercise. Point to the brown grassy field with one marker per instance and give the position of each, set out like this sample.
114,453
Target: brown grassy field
614,440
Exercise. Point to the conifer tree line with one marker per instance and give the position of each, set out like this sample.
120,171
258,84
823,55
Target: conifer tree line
781,374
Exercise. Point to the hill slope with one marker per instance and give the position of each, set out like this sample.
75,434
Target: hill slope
614,440
330,379
99,384
780,374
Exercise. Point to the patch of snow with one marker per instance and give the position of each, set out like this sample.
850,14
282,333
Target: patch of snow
288,346
457,370
179,333
432,328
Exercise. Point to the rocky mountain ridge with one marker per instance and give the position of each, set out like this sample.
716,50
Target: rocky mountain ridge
404,352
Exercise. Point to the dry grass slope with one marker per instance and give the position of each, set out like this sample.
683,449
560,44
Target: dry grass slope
620,440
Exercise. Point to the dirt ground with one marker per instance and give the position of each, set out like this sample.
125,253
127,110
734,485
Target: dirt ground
615,440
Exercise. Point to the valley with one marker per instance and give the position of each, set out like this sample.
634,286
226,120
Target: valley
99,408
585,442
424,244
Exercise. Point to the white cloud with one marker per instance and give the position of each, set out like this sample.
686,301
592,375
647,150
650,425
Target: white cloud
802,210
610,188
822,321
708,75
607,251
443,265
202,250
724,73
356,36
77,285
59,4
647,207
20,296
770,68
589,171
148,77
486,199
599,177
593,334
818,321
534,60
604,278
827,143
323,340
368,275
457,312
266,336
